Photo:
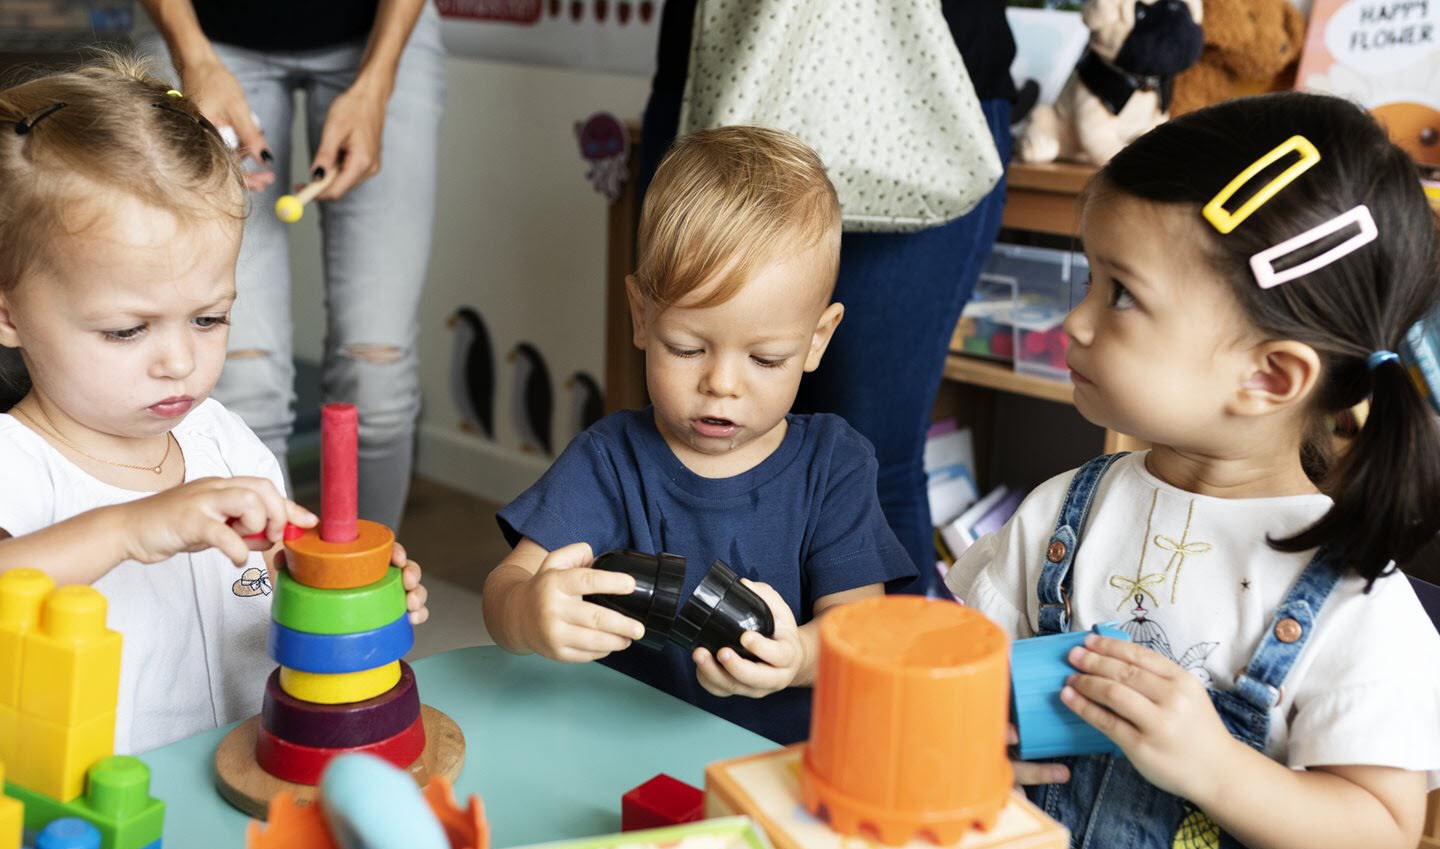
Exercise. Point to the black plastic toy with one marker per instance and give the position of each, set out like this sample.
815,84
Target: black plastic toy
715,615
659,580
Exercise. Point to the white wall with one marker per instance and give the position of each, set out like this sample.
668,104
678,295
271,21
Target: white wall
520,236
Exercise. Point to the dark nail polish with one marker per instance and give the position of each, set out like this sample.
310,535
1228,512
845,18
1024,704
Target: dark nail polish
318,173
266,155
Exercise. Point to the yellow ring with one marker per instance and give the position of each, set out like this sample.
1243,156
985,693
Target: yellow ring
174,93
1214,211
340,688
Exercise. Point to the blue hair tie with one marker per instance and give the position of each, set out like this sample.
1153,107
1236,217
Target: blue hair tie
1379,358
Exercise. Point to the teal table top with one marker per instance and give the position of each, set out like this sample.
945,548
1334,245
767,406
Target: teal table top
549,747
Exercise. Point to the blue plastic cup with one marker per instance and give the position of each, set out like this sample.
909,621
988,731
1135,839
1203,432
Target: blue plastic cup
1048,727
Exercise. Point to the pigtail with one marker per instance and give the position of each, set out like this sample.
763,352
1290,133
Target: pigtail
1385,487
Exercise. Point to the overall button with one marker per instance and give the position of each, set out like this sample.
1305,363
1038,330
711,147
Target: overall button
1056,552
1287,630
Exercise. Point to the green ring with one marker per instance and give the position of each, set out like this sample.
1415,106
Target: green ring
347,611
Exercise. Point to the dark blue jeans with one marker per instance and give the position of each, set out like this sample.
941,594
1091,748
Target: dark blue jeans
903,293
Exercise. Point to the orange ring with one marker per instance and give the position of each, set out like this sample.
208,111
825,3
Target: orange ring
341,565
303,764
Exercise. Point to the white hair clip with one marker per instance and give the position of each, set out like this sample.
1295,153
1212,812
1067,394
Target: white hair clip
1263,263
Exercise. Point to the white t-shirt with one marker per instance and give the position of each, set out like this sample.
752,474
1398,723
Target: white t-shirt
1192,577
194,626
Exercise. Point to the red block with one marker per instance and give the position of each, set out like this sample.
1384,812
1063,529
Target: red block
661,801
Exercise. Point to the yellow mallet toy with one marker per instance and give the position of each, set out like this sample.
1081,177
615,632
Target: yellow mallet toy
289,208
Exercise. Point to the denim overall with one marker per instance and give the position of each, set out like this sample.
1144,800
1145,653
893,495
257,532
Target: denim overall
1107,804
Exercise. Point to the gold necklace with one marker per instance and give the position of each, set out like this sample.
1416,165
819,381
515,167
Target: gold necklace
156,469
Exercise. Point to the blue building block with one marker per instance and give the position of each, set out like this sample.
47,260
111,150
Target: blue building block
339,653
1038,670
68,833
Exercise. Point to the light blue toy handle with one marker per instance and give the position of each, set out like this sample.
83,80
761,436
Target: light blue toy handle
1048,728
370,804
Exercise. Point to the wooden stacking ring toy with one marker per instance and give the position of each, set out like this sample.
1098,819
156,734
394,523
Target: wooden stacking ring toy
340,726
341,652
340,688
360,562
303,764
317,611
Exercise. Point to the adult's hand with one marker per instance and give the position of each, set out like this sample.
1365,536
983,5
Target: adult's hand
222,99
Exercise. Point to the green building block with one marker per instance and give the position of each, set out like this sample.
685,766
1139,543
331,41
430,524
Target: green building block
347,611
117,801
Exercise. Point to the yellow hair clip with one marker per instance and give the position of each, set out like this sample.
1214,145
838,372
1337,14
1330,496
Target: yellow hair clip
1225,221
174,93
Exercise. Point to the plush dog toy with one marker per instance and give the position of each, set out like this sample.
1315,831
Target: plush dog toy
1122,85
1249,44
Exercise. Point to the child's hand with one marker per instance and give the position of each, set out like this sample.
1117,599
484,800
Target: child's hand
781,656
1156,712
1028,772
209,513
554,619
415,593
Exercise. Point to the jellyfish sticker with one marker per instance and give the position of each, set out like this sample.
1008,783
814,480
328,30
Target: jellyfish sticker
603,144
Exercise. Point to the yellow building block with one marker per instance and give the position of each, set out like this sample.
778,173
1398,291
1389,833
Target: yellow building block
54,757
12,818
21,592
71,672
9,725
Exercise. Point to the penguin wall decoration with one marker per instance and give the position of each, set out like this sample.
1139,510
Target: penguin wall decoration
472,371
532,402
587,403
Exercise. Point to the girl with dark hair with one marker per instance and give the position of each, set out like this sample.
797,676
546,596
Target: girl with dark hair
1254,266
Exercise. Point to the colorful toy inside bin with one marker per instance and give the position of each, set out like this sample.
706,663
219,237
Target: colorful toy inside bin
1038,670
899,680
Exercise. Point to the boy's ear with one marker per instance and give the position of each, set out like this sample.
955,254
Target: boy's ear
824,330
1283,374
637,311
9,336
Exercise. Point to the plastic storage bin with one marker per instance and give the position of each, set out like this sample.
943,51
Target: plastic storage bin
1019,306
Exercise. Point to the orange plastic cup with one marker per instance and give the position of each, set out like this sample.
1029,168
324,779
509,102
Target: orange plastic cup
908,730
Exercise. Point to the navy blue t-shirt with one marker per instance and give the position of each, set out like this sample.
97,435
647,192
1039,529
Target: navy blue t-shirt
806,521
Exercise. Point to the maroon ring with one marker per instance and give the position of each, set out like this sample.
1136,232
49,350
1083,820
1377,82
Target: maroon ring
340,726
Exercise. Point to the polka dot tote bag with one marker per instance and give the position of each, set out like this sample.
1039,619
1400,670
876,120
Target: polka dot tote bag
876,87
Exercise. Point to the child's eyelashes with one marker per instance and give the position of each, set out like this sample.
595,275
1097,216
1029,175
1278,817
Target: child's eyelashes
761,361
1120,297
125,335
128,334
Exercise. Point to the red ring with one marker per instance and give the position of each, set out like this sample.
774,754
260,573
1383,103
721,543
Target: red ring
303,764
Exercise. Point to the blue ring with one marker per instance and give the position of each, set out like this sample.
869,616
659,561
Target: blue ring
332,653
1379,358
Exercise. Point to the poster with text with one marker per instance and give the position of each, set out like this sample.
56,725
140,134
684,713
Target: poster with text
1384,55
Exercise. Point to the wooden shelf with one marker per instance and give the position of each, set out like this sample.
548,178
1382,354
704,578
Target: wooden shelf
1041,197
990,375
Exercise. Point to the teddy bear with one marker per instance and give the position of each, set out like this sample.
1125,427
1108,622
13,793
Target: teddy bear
1249,45
1121,86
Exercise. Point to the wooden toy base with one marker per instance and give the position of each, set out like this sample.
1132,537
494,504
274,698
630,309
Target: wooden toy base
245,785
766,787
